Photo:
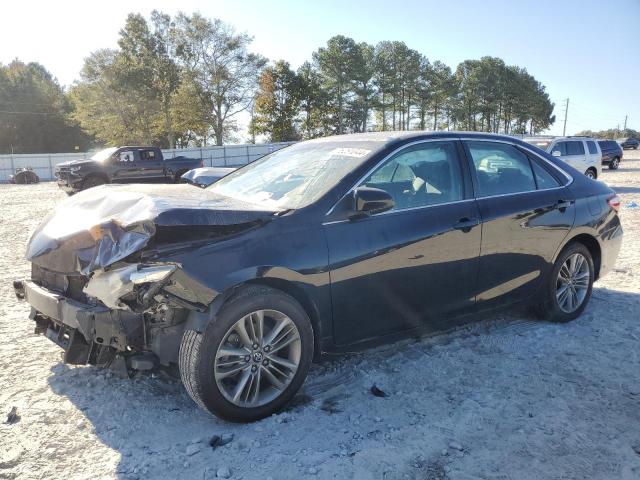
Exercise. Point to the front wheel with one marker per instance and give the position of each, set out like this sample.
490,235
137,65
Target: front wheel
614,164
251,359
93,181
178,176
591,173
569,285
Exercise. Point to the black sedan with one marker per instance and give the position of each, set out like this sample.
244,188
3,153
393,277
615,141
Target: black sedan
325,246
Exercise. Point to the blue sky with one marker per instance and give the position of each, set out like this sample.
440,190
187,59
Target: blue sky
585,50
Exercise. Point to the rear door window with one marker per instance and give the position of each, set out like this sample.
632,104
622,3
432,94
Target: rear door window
544,179
592,147
148,155
500,169
575,148
561,148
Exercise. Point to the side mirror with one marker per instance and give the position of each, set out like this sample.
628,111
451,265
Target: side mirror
369,201
556,153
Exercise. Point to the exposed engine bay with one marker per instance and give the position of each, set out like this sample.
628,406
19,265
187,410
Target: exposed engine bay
100,287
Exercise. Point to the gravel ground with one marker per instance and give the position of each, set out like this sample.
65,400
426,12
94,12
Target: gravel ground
506,398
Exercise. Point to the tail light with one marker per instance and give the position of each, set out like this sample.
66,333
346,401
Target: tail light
201,163
614,202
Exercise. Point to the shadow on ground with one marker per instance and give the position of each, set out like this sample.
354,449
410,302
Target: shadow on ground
159,432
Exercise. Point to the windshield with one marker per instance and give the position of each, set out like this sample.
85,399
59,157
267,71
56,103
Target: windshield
102,155
296,176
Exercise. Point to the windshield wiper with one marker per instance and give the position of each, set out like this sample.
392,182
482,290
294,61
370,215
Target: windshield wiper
282,213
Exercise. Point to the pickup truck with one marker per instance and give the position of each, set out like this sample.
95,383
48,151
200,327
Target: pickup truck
122,165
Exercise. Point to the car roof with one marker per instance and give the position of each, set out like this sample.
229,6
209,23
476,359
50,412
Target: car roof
389,137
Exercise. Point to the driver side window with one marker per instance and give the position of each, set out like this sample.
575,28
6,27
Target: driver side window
423,174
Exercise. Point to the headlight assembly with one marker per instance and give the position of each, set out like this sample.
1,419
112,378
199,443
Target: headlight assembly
109,287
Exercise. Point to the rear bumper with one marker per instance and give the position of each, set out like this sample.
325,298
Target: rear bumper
87,333
611,242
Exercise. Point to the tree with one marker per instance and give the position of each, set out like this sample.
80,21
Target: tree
611,133
186,80
384,73
166,72
491,94
124,96
277,104
35,113
108,108
134,69
191,114
443,90
218,61
363,70
336,64
313,103
397,77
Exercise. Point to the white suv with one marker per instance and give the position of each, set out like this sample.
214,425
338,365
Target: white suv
582,153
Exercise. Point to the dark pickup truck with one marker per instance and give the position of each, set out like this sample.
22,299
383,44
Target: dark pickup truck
122,165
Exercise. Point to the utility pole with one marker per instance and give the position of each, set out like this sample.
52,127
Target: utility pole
566,111
625,122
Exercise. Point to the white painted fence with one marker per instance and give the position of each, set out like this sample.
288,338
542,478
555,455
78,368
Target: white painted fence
228,155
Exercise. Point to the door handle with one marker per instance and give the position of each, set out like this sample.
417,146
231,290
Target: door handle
564,204
465,224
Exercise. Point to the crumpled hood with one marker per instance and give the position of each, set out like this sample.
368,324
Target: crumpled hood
99,226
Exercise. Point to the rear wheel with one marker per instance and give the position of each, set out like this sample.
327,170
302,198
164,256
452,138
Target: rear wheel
252,358
614,164
569,285
591,173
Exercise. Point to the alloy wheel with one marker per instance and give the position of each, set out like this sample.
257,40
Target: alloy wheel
589,173
572,283
257,358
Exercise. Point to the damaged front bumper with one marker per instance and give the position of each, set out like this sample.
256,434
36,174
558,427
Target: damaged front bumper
106,280
68,182
129,317
89,334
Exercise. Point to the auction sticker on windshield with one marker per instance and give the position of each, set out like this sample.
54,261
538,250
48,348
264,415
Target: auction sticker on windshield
349,152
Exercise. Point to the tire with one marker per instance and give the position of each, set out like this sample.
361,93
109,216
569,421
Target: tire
93,181
551,308
614,163
200,356
591,173
177,178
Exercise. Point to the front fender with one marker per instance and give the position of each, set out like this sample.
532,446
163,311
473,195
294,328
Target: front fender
295,262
